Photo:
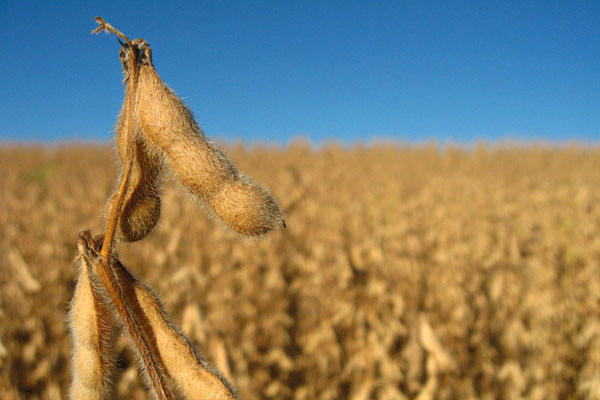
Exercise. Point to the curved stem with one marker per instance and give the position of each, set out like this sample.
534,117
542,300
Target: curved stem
105,270
105,26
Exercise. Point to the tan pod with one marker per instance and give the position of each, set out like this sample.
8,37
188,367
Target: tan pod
169,126
141,205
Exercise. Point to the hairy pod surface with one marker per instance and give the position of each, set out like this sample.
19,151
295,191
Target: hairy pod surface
141,205
168,125
92,336
193,375
129,312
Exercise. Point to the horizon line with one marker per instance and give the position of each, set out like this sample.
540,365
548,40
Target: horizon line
305,140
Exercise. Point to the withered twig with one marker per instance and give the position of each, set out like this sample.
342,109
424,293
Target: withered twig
107,245
105,271
105,26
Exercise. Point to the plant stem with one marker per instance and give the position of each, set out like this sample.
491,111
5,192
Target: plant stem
105,270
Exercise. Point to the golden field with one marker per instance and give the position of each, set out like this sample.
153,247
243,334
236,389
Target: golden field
404,272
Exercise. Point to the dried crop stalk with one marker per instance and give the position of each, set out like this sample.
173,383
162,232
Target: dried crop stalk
155,130
104,269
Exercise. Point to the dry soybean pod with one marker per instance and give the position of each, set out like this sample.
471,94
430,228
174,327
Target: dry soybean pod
193,375
169,126
92,333
143,339
141,205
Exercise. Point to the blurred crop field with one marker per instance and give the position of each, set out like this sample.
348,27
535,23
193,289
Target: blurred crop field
404,273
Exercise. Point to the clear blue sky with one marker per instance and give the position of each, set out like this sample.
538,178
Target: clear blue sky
270,71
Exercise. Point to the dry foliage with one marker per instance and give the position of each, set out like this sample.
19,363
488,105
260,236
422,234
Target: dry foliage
403,273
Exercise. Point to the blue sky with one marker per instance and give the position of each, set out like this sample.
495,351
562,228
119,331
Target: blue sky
270,71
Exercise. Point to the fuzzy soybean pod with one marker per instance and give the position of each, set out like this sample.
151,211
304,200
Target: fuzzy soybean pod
92,335
141,204
190,373
198,165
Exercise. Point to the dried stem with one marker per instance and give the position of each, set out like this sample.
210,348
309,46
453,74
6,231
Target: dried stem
105,26
117,205
109,236
105,271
